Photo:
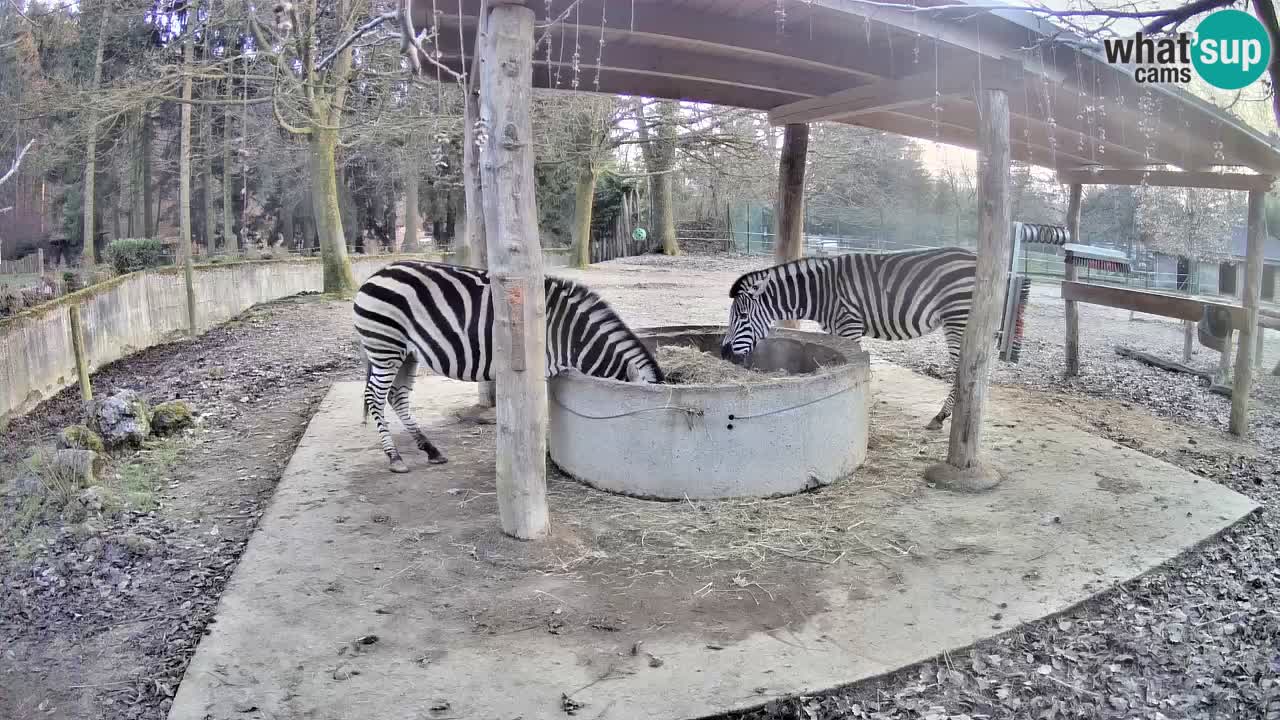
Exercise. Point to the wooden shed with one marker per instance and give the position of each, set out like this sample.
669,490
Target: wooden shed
1009,84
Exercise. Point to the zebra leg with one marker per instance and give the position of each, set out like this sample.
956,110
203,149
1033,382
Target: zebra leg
954,336
377,385
400,391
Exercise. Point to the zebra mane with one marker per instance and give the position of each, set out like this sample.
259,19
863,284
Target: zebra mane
592,301
751,277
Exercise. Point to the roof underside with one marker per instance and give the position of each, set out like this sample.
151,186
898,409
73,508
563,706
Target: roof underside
1069,109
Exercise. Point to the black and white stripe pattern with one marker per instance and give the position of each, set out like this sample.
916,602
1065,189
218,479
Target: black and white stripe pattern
888,296
442,316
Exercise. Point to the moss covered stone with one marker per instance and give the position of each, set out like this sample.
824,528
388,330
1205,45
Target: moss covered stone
80,437
170,417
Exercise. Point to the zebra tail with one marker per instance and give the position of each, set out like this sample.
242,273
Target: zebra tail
368,375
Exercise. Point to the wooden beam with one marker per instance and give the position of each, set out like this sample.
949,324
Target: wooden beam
968,78
1145,301
697,30
962,468
1243,380
1073,311
790,238
515,266
952,134
632,57
1167,178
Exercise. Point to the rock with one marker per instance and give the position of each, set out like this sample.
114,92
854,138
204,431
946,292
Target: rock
122,420
170,417
93,499
62,472
80,437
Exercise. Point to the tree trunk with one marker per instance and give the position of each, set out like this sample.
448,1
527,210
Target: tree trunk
88,257
286,228
324,203
144,152
411,219
582,202
228,182
206,149
184,180
665,214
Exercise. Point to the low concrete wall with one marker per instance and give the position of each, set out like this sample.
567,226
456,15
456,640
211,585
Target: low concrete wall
134,312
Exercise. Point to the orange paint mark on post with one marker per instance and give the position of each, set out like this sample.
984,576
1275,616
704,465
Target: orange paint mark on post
515,300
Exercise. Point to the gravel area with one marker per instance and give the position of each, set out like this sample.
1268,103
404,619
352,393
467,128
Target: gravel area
100,621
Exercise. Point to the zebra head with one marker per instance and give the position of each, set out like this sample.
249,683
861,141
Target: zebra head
750,317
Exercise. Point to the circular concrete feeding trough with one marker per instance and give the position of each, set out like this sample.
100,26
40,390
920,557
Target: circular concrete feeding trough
770,437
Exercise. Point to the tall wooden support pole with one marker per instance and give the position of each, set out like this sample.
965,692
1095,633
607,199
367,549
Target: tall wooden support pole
515,265
962,469
1073,310
1243,380
1188,340
1224,360
790,242
474,232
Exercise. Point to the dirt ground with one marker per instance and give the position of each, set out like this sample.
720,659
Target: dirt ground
99,620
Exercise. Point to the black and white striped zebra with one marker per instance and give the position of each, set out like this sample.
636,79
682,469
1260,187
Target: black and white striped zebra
442,316
888,296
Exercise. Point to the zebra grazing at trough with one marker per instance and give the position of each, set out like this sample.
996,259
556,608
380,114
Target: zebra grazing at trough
442,315
888,296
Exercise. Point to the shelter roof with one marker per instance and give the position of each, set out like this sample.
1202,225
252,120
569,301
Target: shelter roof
878,65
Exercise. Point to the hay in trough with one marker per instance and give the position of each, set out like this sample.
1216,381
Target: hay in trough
687,365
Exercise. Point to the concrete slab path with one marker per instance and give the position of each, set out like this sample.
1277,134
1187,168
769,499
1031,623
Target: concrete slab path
357,596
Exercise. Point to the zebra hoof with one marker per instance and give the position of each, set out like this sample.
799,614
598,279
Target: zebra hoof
398,466
934,424
438,460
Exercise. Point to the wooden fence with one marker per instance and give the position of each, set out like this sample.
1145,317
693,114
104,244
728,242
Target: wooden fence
617,240
26,265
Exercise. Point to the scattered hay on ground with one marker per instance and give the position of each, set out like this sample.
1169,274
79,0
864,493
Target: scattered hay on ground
687,365
834,522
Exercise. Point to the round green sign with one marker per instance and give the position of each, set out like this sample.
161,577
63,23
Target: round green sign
1232,49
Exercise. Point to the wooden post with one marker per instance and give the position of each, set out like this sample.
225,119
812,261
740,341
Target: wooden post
474,232
1188,339
1258,351
962,469
1224,360
515,264
1249,297
790,215
40,261
1073,310
77,347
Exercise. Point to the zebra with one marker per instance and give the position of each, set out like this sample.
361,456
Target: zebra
889,296
442,315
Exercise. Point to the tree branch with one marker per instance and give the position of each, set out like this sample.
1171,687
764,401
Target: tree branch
17,161
1267,13
359,33
1177,15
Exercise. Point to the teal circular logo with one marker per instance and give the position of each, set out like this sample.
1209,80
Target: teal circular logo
1232,49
